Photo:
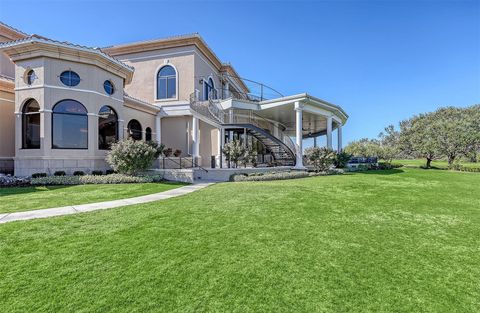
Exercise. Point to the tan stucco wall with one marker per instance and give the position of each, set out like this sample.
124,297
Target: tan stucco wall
204,69
175,133
145,119
208,143
7,131
147,64
48,90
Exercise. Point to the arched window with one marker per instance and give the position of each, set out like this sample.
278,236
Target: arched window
107,127
70,78
148,134
167,83
69,125
31,125
30,77
209,89
134,130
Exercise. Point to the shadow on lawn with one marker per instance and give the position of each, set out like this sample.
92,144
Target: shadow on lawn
383,172
8,191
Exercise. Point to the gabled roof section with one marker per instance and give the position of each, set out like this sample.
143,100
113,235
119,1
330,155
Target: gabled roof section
172,42
10,32
35,45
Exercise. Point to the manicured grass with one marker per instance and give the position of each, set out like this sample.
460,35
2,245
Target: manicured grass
404,240
34,198
442,164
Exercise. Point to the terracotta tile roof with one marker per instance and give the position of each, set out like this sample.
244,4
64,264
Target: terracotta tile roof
13,29
41,39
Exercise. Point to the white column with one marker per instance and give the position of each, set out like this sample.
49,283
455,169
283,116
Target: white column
339,138
329,132
121,129
226,92
158,127
195,141
221,138
299,135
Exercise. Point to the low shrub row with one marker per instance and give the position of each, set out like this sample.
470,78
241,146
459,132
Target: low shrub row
76,173
280,175
94,179
268,176
12,181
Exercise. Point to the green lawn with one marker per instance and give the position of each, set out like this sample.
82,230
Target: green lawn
442,164
404,240
34,198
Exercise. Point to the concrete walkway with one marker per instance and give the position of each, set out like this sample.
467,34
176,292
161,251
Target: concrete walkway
74,209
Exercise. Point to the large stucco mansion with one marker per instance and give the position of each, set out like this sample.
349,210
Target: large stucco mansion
62,105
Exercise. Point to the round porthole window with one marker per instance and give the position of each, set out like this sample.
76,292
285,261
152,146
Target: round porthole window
30,77
70,78
108,86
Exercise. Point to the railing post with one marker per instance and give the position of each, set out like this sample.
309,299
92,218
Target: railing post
261,92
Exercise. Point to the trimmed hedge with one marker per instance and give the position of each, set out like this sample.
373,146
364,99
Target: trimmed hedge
279,175
94,179
268,176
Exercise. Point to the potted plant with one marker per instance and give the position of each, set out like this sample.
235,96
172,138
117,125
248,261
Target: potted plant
177,153
167,152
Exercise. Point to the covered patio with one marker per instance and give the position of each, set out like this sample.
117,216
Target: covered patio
300,116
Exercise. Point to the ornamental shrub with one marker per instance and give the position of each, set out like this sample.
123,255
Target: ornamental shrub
341,159
233,151
78,173
97,172
159,147
131,157
268,176
94,179
321,158
59,173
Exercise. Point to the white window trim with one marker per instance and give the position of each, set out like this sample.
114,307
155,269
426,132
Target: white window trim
156,83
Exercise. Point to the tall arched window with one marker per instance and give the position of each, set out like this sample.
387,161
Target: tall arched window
31,125
148,134
167,83
209,89
69,125
134,130
107,127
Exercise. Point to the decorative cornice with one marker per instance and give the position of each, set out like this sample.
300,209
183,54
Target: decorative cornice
37,46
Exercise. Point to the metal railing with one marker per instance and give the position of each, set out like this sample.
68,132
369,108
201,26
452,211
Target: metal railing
182,163
242,116
212,110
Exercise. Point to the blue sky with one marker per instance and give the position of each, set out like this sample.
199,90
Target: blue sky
382,61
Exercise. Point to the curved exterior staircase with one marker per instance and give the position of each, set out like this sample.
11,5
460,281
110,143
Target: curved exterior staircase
276,142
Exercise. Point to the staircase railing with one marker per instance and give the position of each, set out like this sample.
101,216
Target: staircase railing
212,110
243,116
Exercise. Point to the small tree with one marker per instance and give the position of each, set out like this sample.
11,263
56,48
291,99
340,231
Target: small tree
131,157
250,156
157,146
321,158
233,151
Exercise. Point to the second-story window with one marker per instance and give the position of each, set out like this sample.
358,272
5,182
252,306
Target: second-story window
167,83
210,92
